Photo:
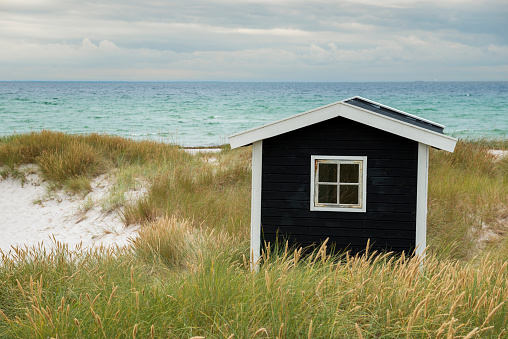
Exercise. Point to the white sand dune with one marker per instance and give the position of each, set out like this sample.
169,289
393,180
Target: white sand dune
29,216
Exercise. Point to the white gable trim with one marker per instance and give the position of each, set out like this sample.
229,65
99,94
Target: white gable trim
348,111
285,125
398,127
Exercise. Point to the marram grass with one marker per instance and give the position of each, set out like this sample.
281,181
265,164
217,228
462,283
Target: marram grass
105,294
169,241
62,157
188,274
468,195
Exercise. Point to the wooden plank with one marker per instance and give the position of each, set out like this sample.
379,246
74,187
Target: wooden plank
371,189
391,172
342,229
344,143
342,242
304,161
301,213
343,223
269,178
305,145
380,181
372,171
290,189
301,172
304,179
348,134
305,199
352,249
388,190
305,153
333,222
371,198
371,207
392,199
358,243
392,163
342,232
356,250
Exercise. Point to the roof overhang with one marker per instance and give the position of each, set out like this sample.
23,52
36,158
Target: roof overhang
348,111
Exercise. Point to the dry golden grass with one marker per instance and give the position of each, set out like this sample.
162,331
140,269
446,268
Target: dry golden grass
76,160
468,195
188,274
108,294
169,241
213,196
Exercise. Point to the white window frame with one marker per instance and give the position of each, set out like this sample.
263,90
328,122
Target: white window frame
362,206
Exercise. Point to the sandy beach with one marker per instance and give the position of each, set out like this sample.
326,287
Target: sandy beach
29,215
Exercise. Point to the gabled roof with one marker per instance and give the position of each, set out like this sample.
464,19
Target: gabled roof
358,109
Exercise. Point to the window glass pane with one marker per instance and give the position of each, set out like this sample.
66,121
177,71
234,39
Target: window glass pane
327,194
327,172
349,173
348,194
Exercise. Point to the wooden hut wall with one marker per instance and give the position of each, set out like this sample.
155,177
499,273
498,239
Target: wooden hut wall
389,221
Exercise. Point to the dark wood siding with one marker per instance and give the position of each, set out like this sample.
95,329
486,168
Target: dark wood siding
390,220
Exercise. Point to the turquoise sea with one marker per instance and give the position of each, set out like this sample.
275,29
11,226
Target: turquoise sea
204,113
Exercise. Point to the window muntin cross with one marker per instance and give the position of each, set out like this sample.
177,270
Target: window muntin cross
338,183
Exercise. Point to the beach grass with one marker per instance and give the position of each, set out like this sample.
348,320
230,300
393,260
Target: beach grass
63,157
468,200
110,294
188,274
491,143
213,196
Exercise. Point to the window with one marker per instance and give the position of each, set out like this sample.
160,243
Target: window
338,183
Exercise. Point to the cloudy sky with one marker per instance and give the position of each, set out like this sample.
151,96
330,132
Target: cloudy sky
254,40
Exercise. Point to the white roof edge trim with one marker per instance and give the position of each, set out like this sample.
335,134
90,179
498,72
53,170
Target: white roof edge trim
400,128
348,111
282,120
285,125
396,110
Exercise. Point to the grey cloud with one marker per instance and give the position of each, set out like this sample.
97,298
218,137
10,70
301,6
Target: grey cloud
252,40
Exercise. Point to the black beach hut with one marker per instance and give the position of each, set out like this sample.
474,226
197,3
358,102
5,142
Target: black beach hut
350,171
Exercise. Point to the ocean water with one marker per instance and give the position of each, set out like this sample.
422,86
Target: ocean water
203,114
